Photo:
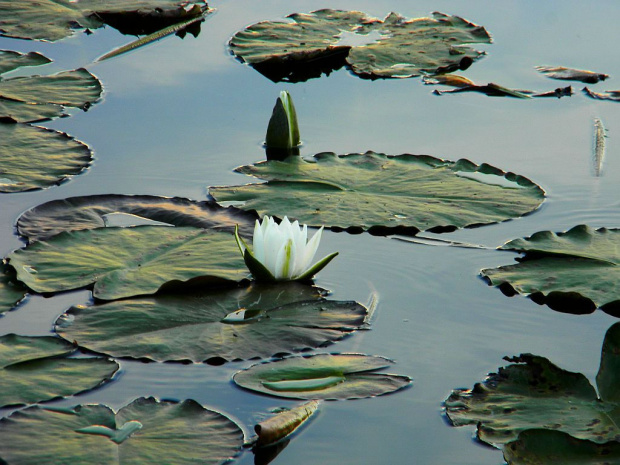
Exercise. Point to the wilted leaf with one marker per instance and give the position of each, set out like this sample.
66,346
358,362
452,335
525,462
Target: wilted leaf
384,194
10,60
147,431
613,95
578,268
195,15
322,376
547,447
491,89
35,158
11,291
284,423
35,369
94,211
226,325
452,80
56,19
299,49
570,74
124,262
534,393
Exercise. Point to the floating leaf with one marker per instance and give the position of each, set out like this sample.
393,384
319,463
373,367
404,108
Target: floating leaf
11,291
491,89
384,194
77,88
613,95
301,48
10,60
197,15
284,423
451,80
35,369
29,112
53,20
322,376
123,262
145,431
226,325
547,447
534,393
94,211
570,74
35,158
576,271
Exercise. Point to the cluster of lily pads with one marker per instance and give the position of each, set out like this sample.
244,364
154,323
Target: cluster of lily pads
169,282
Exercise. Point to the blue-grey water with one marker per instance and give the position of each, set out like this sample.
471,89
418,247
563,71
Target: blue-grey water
180,115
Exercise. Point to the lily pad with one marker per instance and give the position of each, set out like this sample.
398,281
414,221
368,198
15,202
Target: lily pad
145,431
36,369
35,158
11,291
575,271
124,262
95,211
547,447
77,88
226,325
52,20
534,393
322,376
384,194
10,60
397,48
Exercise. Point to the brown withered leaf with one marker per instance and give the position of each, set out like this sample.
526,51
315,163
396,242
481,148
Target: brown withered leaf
283,424
613,95
571,74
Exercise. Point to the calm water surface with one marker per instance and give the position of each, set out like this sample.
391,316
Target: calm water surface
179,115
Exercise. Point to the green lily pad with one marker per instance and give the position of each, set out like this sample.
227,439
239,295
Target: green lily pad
36,369
52,20
11,291
145,431
125,262
226,325
322,376
547,447
396,47
384,194
29,112
77,88
35,158
96,211
575,271
534,393
10,60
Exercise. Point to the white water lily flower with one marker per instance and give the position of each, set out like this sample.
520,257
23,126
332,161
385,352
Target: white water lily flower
282,252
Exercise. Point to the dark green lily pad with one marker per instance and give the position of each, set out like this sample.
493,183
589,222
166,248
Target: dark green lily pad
547,447
124,262
35,158
36,369
236,324
299,49
95,211
384,194
534,393
10,60
577,269
77,88
11,291
52,20
322,376
145,431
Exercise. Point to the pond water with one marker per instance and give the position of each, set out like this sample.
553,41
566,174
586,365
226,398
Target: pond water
180,115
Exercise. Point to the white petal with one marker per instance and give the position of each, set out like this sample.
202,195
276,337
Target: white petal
311,248
285,259
274,242
258,242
